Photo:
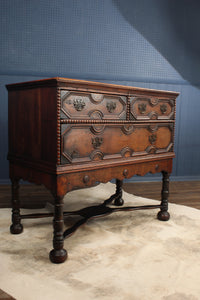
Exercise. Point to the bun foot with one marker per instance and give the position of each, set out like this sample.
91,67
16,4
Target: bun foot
163,216
58,256
16,228
119,202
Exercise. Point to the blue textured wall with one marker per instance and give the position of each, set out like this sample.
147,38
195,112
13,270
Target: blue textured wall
147,43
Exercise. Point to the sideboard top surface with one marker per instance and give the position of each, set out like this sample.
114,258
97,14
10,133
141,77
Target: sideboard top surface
88,85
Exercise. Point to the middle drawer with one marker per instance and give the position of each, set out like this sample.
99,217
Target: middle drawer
81,105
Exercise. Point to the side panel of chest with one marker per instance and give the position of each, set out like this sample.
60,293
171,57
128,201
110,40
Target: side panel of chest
33,124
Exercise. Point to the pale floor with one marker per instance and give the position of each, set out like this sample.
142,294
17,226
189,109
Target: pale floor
183,192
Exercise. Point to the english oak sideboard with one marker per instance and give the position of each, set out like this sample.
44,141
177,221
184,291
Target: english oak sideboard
70,134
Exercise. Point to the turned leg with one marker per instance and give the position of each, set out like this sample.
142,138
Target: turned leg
118,200
58,254
163,214
16,226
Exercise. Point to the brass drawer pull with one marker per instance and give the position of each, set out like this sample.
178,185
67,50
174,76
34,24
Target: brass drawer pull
86,179
125,173
96,142
111,106
142,107
79,104
163,108
152,138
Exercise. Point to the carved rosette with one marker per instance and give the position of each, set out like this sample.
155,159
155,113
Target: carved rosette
128,129
74,154
127,152
151,149
96,98
96,155
153,115
96,128
153,128
153,101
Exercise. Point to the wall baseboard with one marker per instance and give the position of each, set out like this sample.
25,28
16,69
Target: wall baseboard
159,178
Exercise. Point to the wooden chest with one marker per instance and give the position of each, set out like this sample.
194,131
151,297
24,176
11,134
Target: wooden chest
70,134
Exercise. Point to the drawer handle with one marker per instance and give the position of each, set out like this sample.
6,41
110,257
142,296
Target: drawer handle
142,107
152,138
111,106
86,179
125,173
79,104
163,108
96,142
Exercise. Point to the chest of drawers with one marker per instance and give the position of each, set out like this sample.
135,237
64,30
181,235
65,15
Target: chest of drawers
69,134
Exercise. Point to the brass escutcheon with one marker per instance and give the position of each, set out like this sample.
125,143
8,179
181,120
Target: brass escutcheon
125,172
111,106
97,141
79,104
163,108
152,138
142,107
86,179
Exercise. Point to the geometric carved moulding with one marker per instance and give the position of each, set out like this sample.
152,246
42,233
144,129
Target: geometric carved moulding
83,105
79,143
149,108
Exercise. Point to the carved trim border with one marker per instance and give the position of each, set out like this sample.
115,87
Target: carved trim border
112,121
58,126
128,108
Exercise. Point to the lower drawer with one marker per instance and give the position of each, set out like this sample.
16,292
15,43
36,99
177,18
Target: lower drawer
82,143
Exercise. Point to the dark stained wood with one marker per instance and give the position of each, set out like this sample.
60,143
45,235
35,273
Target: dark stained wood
16,226
58,254
118,201
57,138
163,214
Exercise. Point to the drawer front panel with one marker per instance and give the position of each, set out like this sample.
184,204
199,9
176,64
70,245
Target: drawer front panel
146,108
79,105
81,143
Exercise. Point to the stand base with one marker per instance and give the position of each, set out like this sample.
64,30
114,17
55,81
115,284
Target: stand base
58,256
119,202
163,216
16,228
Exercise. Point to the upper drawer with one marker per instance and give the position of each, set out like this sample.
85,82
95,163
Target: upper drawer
147,108
80,105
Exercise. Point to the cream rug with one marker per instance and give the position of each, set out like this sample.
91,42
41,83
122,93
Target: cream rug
127,255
